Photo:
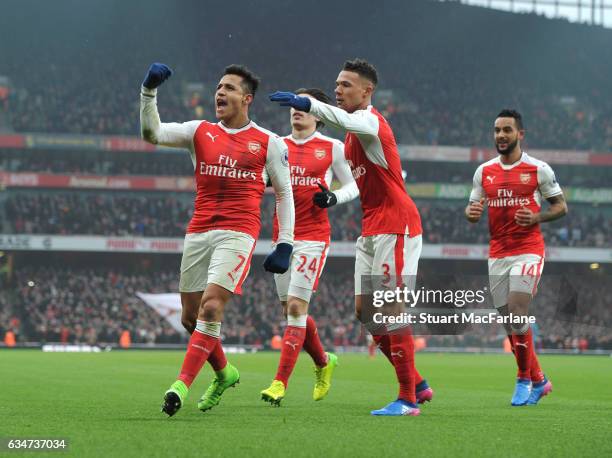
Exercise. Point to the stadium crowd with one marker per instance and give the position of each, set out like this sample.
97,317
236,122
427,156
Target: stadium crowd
99,214
166,215
432,94
179,164
95,163
96,305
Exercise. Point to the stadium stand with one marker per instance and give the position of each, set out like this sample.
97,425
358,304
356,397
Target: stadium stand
62,123
80,303
444,95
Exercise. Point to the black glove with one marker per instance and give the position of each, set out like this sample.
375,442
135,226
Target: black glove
325,198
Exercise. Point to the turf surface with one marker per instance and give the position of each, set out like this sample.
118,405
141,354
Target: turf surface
107,404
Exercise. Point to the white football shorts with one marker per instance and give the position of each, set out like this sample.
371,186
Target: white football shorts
302,278
221,257
386,261
514,274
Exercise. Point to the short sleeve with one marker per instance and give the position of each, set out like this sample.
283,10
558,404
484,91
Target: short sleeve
547,182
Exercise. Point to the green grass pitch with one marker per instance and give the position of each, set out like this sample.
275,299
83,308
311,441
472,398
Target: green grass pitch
107,404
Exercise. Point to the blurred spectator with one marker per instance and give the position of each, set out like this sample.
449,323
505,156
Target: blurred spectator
167,215
435,93
95,305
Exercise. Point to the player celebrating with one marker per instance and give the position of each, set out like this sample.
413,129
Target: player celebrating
512,186
390,244
313,159
232,160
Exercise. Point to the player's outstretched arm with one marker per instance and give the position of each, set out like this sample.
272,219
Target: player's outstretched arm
348,189
152,129
277,169
360,122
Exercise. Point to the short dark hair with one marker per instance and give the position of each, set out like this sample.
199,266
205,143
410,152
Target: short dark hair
250,81
510,113
363,68
317,94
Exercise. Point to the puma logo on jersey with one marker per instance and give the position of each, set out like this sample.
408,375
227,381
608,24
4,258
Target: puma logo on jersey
491,178
292,345
399,354
212,137
520,344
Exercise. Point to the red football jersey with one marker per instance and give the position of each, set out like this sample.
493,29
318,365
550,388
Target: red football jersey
313,161
507,188
229,169
372,154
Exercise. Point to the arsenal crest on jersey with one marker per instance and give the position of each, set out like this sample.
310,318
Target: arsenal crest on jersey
525,178
320,154
254,147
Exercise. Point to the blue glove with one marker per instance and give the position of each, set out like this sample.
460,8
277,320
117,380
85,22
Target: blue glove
157,74
278,260
289,99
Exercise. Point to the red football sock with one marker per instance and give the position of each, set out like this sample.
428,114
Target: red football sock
292,345
402,354
217,358
384,344
522,351
511,339
312,343
199,348
382,341
534,369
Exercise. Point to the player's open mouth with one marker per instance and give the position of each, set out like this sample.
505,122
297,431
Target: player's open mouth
221,103
502,145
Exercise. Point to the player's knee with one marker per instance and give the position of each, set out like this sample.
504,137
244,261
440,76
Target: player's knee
188,324
519,328
518,309
294,309
212,309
